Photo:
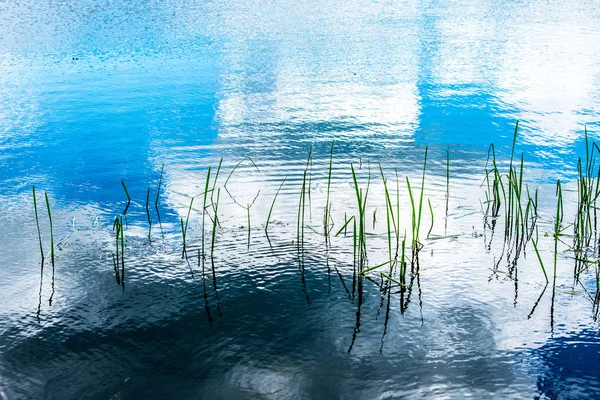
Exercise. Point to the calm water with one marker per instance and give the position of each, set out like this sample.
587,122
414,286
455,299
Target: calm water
95,92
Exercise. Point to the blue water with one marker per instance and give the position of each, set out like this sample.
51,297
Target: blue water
93,93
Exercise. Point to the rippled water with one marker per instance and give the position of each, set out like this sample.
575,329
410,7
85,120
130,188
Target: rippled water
95,92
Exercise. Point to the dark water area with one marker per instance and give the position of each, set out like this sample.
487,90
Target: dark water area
95,95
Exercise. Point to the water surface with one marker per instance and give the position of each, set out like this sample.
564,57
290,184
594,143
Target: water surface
95,92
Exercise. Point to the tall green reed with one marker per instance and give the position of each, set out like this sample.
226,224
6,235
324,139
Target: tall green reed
128,197
273,205
37,222
148,215
327,210
206,184
361,199
51,230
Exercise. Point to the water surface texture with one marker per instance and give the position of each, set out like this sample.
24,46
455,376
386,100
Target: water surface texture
96,93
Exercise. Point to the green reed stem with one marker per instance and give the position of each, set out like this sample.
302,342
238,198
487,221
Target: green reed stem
162,169
344,226
122,254
309,169
432,218
273,205
391,222
148,214
204,206
37,222
117,229
128,197
51,230
354,239
539,257
361,221
375,267
248,209
326,216
384,275
212,190
214,227
388,201
414,212
422,191
300,228
397,229
403,259
182,236
447,179
557,223
237,165
187,219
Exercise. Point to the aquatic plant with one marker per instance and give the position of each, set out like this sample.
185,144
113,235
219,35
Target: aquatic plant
361,199
128,197
51,230
214,227
447,185
417,214
390,218
212,191
148,215
557,223
248,205
157,198
184,227
162,170
302,201
327,209
520,208
206,184
301,206
343,228
273,205
37,222
119,260
432,217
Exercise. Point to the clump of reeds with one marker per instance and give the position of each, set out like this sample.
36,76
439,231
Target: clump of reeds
585,241
520,207
496,189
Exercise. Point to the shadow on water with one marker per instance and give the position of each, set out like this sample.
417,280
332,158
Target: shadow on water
356,330
214,274
39,309
206,306
567,367
301,268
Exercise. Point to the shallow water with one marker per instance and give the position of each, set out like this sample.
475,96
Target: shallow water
92,93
